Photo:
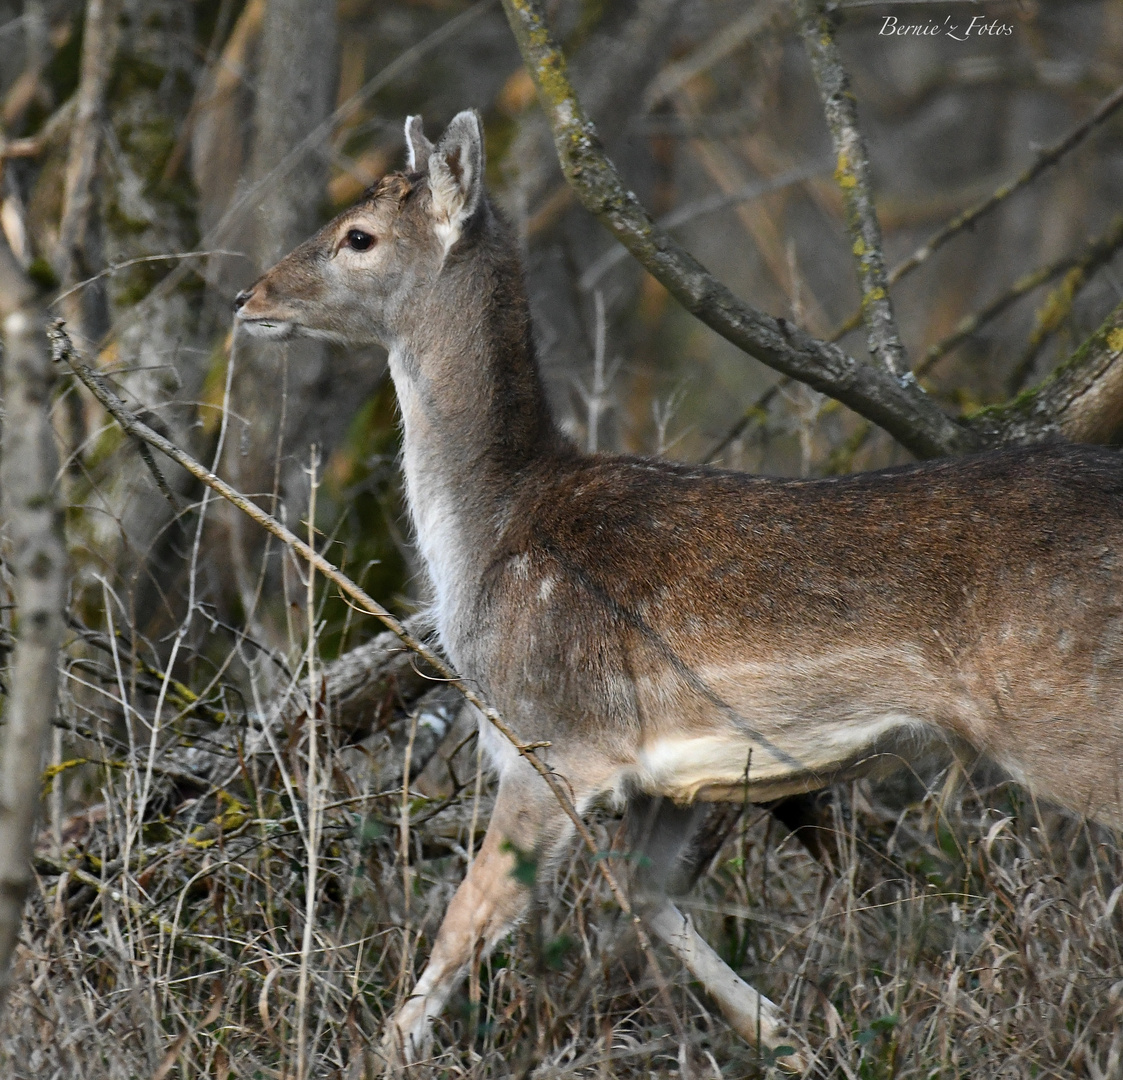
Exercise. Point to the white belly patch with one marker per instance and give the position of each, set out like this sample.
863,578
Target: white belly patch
682,767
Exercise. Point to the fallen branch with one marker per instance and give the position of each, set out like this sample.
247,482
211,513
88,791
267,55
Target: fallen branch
362,683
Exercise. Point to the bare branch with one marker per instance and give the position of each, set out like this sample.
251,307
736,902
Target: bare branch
1098,252
1045,158
899,406
971,217
33,522
852,173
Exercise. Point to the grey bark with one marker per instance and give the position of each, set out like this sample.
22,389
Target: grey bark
37,561
78,249
852,173
897,405
162,359
295,87
296,81
222,110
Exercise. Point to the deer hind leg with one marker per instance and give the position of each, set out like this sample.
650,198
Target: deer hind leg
661,832
527,819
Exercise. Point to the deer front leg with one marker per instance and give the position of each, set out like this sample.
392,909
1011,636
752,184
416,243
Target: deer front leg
527,816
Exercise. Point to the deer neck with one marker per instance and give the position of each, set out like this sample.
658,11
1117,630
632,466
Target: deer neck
475,424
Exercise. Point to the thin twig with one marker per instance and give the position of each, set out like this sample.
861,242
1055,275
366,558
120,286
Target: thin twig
903,409
64,351
161,482
1085,263
852,173
139,910
971,217
756,411
312,790
166,257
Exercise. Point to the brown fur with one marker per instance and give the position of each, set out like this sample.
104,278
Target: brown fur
687,632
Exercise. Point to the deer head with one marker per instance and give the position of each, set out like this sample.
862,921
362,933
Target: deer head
360,278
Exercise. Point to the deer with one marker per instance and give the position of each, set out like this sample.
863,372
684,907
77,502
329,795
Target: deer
671,635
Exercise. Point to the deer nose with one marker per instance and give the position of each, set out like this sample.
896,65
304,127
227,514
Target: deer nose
241,298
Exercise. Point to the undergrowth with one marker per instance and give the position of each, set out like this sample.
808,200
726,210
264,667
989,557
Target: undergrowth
961,932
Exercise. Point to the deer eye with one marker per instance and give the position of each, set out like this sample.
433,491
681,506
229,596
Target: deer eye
359,240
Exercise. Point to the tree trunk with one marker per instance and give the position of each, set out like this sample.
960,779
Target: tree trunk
295,89
36,557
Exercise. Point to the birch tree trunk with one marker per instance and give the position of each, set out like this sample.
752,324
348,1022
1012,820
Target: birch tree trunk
36,557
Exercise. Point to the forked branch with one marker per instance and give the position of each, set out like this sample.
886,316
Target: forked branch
897,405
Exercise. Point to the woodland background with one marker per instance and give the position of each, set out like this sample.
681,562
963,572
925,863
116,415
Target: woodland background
157,155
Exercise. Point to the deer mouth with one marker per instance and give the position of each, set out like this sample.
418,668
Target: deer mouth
272,329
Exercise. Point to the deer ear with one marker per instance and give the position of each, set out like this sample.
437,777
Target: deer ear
418,148
456,169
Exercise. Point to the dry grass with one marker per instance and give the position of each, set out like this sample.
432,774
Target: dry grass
964,933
